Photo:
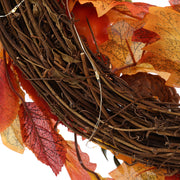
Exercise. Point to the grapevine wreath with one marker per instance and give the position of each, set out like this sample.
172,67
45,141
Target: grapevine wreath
95,79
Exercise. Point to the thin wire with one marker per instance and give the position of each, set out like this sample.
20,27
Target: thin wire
13,10
95,71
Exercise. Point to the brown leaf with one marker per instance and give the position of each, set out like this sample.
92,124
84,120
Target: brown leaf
151,86
40,137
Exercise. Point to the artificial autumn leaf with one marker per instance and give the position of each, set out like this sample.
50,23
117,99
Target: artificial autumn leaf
175,4
144,36
9,101
137,172
123,157
102,6
99,25
11,137
93,177
119,46
136,10
164,22
163,66
73,166
40,102
174,177
151,86
41,138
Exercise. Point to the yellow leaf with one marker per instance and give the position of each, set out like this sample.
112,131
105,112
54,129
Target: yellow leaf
137,172
165,53
11,137
145,67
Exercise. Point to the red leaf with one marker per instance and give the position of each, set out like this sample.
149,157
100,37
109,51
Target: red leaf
175,4
9,101
40,102
145,36
175,177
73,166
40,137
138,10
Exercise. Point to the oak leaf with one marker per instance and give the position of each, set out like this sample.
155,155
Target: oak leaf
137,172
11,137
41,138
164,54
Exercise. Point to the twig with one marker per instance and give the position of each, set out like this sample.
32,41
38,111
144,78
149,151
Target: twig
95,71
13,10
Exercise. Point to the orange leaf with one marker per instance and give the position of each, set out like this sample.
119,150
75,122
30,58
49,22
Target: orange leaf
165,22
137,172
73,166
125,158
9,101
162,66
119,46
102,6
40,137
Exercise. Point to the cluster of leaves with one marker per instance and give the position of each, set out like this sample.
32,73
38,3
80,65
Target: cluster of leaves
136,37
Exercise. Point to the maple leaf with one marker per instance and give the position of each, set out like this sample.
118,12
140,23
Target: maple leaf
9,101
73,165
11,137
164,54
119,48
137,172
40,137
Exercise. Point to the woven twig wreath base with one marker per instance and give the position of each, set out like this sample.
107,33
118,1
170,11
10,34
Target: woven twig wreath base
41,40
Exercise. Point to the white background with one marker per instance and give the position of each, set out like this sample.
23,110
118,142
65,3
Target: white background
27,167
